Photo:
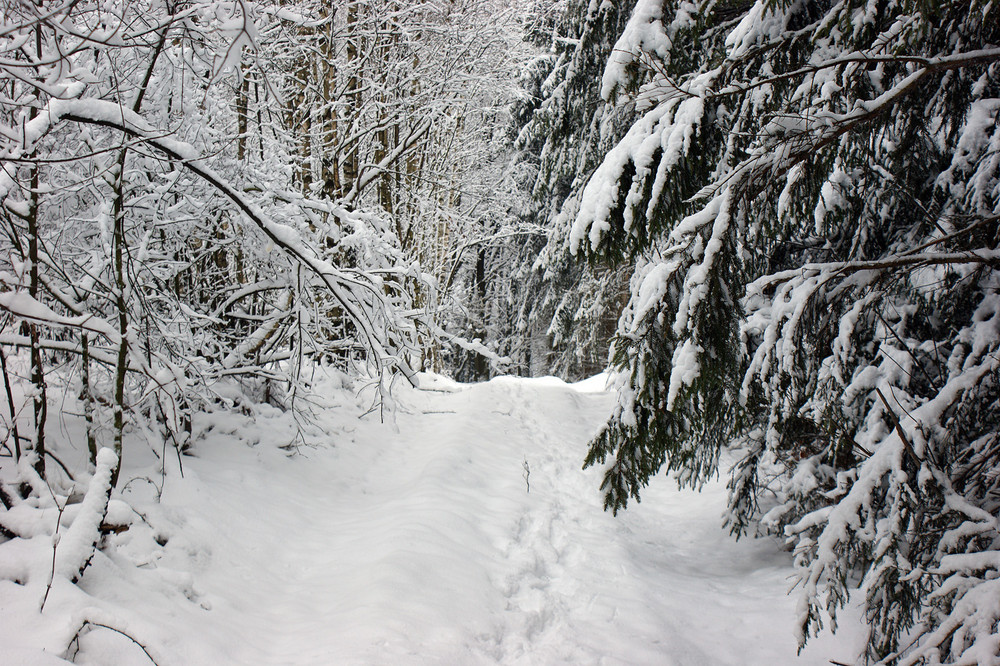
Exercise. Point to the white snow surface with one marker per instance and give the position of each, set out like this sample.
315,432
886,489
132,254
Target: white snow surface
462,531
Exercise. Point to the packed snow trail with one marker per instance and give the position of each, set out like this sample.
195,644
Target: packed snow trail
463,531
466,533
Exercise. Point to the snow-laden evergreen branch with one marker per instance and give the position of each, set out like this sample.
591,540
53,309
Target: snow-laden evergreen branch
810,195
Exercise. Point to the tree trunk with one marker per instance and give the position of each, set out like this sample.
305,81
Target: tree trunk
121,365
88,398
39,398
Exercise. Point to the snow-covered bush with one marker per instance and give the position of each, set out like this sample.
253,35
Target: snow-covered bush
156,239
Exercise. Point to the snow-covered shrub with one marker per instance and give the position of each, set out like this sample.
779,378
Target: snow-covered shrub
156,240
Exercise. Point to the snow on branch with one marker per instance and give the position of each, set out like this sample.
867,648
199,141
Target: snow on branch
358,294
76,548
822,180
23,306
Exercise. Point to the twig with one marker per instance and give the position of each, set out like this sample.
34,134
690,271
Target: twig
899,430
60,463
55,546
117,631
909,351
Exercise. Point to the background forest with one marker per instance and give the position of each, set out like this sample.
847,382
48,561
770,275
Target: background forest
781,218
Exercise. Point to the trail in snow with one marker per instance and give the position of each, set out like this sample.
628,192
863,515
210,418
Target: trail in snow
464,533
427,544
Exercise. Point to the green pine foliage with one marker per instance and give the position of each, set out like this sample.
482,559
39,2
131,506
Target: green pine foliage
809,194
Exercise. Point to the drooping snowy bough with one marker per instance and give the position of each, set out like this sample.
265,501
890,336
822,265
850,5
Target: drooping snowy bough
811,194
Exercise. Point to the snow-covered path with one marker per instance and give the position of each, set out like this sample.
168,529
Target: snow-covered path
463,533
468,534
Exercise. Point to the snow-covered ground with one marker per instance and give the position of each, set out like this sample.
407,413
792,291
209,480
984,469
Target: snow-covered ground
461,531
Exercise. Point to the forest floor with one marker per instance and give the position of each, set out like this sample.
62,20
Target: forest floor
460,531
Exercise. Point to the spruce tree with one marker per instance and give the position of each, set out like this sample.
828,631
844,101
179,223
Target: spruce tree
810,194
563,127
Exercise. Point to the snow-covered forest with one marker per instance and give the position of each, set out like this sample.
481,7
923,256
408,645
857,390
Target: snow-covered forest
290,294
